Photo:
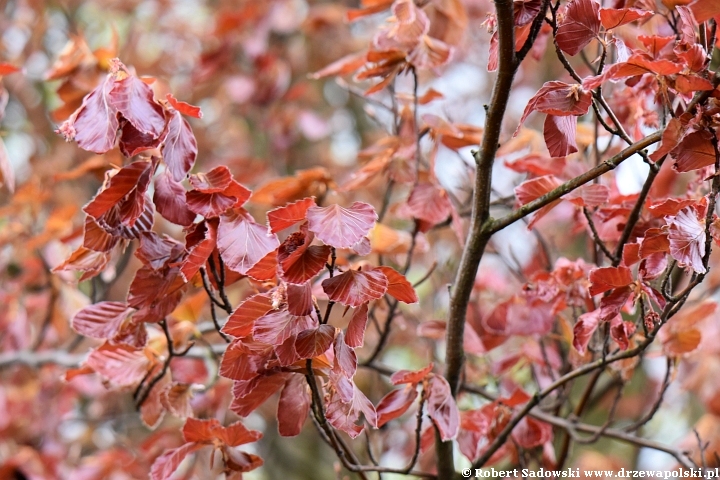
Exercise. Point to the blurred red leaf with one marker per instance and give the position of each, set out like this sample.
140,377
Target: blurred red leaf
293,407
442,409
615,17
535,188
101,320
606,278
184,108
395,403
531,433
411,377
166,464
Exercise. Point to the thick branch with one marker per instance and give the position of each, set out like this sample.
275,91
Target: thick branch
477,240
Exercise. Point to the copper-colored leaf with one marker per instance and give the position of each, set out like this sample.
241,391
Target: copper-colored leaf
354,287
341,227
242,242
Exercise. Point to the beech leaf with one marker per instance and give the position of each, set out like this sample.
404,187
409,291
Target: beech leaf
341,227
580,25
242,242
354,287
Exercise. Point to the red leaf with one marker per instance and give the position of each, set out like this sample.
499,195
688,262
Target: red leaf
215,192
655,241
398,285
558,98
216,180
123,182
345,362
354,287
356,328
176,400
169,199
615,17
293,407
85,260
166,464
607,278
199,253
123,366
242,242
238,461
704,10
585,326
266,269
94,125
101,320
179,149
299,299
414,377
589,195
261,391
559,133
692,83
671,136
8,68
525,11
346,404
580,25
236,434
300,261
611,304
531,433
341,227
133,141
620,331
427,202
184,108
240,323
200,431
533,189
442,409
694,151
313,342
287,216
395,403
276,327
686,234
133,98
